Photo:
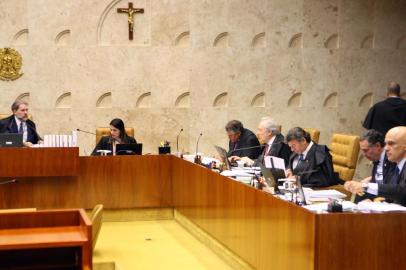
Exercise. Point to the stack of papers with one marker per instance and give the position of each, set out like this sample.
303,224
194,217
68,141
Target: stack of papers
380,207
322,207
323,195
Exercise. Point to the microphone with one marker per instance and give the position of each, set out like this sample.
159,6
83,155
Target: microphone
84,131
9,181
197,143
198,159
307,172
177,140
247,148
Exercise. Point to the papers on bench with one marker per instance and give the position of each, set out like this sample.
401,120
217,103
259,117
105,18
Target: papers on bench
274,162
323,195
380,207
322,207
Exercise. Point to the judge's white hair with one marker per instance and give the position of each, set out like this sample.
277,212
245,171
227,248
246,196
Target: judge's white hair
269,124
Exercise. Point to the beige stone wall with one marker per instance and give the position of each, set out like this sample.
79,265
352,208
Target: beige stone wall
197,64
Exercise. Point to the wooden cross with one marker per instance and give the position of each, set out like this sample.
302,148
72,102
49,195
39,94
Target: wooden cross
130,11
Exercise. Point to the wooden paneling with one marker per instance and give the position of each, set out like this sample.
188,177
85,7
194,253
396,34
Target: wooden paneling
31,162
115,181
265,231
361,241
33,235
268,233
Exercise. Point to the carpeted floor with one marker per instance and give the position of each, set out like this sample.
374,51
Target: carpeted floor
161,244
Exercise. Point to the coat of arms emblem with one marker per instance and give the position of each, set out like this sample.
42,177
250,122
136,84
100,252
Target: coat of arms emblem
10,64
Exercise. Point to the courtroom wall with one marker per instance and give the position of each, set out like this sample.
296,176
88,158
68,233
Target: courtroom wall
197,64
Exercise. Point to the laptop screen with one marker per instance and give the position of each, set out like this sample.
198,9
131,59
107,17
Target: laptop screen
129,149
11,140
223,155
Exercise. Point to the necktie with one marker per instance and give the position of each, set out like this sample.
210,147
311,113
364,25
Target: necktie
301,158
266,149
21,129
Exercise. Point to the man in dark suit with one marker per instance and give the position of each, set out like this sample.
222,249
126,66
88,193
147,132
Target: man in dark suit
372,145
241,137
310,157
269,136
18,122
393,188
389,113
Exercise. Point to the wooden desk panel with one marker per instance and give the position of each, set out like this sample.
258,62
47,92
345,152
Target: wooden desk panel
34,162
261,229
114,181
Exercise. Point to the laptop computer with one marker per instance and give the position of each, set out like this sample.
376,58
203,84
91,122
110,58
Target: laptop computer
129,149
223,155
272,176
11,140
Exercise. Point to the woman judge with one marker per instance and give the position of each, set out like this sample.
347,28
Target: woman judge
117,136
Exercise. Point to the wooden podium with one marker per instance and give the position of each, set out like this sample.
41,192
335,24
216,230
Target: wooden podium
57,239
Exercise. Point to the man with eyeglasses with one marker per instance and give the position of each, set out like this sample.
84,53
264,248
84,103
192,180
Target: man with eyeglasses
394,184
372,145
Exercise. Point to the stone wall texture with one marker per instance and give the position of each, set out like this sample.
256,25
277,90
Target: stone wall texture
197,64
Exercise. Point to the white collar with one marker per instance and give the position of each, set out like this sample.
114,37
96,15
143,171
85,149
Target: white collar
401,164
307,149
271,140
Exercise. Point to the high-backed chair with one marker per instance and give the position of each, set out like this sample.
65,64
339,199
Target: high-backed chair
314,134
345,149
96,217
104,131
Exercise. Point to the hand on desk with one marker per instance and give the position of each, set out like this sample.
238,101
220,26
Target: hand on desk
289,174
354,187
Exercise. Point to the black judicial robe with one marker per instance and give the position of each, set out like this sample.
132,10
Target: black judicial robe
319,159
386,114
105,144
247,139
278,149
9,125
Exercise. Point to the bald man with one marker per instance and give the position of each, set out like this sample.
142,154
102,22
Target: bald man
394,188
388,113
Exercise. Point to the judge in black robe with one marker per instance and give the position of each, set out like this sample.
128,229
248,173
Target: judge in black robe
117,136
389,113
241,137
313,162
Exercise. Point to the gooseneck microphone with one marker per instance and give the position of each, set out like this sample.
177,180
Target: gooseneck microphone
247,148
84,131
197,143
177,140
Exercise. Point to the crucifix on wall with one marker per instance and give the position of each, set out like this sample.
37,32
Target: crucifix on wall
130,12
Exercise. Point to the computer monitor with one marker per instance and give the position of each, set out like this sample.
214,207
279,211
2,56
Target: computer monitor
11,140
129,149
223,155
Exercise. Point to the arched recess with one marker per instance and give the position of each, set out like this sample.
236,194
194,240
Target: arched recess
401,43
366,100
258,100
183,39
222,40
296,41
295,100
63,38
259,41
64,101
221,101
24,97
103,18
144,101
183,101
20,38
368,42
332,42
331,101
104,101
